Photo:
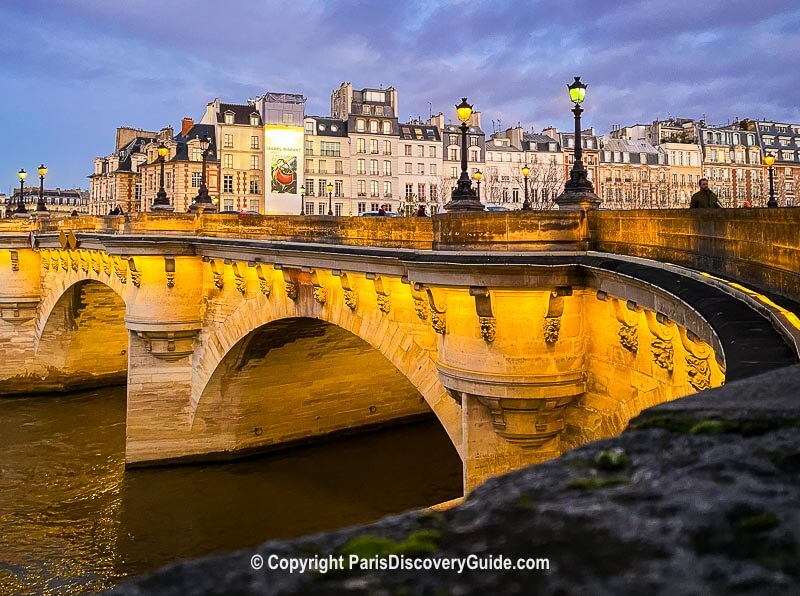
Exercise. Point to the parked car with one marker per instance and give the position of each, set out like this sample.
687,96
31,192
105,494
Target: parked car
376,214
496,208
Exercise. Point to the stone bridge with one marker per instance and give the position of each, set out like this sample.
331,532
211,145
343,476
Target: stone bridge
525,334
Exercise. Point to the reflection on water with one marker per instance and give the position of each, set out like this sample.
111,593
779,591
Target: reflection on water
71,518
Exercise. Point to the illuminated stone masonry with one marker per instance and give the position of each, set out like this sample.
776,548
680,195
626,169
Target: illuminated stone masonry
238,344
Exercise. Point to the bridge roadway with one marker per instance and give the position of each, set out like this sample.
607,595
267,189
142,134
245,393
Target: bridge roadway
523,334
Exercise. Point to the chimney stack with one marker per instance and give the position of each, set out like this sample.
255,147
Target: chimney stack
186,126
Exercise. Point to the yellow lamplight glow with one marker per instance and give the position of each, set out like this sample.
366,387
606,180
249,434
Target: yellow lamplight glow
303,190
22,174
162,151
477,176
577,91
464,110
42,170
526,171
330,187
769,159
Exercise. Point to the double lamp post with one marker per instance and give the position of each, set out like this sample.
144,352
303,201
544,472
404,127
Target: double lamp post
41,207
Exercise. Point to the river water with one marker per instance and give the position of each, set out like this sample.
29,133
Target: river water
72,519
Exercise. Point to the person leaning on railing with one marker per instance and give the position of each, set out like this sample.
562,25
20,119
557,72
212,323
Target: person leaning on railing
705,197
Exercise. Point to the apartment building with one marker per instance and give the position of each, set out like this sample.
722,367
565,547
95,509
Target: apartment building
115,179
420,167
783,141
327,161
632,175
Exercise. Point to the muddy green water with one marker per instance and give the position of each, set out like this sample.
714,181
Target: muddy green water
73,520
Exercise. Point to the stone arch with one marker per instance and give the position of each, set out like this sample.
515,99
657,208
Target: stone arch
80,338
392,339
55,283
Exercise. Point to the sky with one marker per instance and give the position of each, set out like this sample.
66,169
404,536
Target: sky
74,70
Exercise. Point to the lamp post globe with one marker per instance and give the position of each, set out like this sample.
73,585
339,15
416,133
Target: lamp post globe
41,208
302,200
578,190
463,197
769,161
330,198
161,202
20,210
526,171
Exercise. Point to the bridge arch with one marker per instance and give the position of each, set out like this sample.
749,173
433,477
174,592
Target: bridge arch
407,347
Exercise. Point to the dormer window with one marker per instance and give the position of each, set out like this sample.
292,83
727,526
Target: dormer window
228,117
253,119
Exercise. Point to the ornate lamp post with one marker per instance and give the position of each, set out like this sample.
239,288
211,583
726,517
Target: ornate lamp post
463,197
202,200
526,171
162,202
477,177
769,161
21,211
578,190
330,198
41,208
302,200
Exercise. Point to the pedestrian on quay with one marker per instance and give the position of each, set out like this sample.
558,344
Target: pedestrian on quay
704,198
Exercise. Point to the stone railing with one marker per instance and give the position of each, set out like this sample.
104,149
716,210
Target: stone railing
760,247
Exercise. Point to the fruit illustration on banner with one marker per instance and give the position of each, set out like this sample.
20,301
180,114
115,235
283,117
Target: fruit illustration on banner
284,175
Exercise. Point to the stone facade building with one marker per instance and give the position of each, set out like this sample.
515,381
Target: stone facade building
783,141
116,179
327,161
632,175
451,151
420,167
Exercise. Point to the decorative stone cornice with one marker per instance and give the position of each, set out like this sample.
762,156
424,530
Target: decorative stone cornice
169,345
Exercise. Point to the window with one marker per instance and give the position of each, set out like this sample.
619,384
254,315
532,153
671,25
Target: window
309,208
254,162
254,142
227,160
453,139
167,181
227,141
474,153
454,172
373,188
373,206
387,188
338,167
453,154
309,187
373,146
227,183
253,119
360,125
674,178
337,209
409,191
421,192
407,149
420,151
373,167
387,127
309,128
365,109
228,117
254,185
196,179
361,168
420,168
321,209
431,151
434,192
321,184
373,126
361,146
362,188
407,168
361,208
137,192
254,205
432,168
379,110
387,167
515,195
338,185
387,147
329,148
287,118
323,167
473,141
227,204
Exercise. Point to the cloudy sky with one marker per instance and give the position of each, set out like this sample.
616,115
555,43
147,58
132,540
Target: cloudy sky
74,70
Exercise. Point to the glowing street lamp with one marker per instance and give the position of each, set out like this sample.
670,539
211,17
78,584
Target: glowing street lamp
477,177
769,161
526,171
202,200
463,197
21,211
41,208
162,202
330,198
302,200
